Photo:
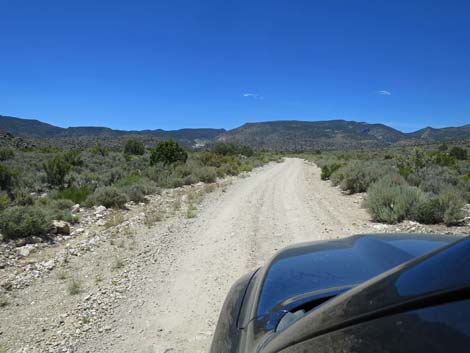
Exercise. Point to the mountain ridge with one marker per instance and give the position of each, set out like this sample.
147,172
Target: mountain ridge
273,135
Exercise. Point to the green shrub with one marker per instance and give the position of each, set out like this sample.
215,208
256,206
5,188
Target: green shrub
60,215
225,149
113,175
392,179
168,152
74,158
405,170
443,147
174,182
107,196
4,200
210,159
23,221
358,176
434,178
230,149
61,204
419,159
134,147
56,170
245,167
99,149
75,194
128,181
56,209
430,211
23,198
325,172
7,178
458,153
190,179
206,174
136,187
246,151
228,169
337,177
328,169
452,205
135,193
390,203
6,154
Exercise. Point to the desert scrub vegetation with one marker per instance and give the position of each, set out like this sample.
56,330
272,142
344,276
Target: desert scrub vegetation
74,286
17,221
427,184
153,216
41,184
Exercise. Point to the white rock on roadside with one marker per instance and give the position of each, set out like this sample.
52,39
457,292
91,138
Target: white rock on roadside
100,209
49,264
101,222
24,251
78,231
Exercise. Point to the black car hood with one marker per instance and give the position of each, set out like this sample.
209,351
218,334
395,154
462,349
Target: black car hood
439,277
310,271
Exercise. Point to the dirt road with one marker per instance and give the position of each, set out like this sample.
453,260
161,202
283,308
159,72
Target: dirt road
175,306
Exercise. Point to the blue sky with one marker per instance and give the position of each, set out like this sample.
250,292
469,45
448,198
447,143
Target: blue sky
173,64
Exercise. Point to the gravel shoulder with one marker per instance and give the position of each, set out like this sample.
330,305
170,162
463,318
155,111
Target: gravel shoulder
160,288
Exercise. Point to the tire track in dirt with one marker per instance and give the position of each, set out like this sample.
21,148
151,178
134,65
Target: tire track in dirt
235,231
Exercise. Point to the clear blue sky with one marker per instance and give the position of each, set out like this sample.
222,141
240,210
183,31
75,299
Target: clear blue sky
172,64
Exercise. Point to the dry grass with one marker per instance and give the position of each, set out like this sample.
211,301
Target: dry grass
177,204
74,287
118,263
152,216
62,274
191,211
210,188
115,220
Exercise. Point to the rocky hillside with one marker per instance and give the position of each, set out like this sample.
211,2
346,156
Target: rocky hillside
28,128
304,135
8,140
272,135
442,135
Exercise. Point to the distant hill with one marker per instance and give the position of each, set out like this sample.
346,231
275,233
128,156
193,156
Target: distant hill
301,135
37,129
27,127
442,135
288,135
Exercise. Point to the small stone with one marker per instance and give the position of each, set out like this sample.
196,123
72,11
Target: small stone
101,222
49,264
36,239
60,227
78,231
24,251
100,209
75,208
